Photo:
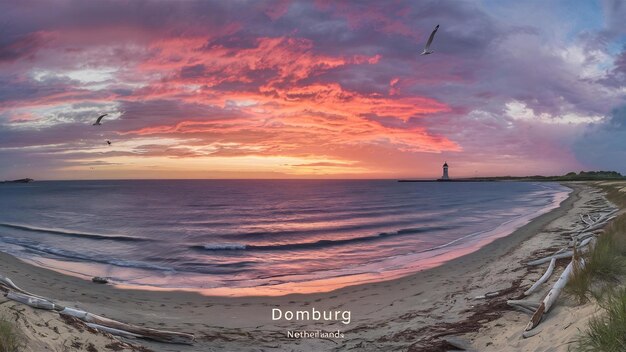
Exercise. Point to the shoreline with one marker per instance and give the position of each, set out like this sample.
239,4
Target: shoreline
394,267
419,299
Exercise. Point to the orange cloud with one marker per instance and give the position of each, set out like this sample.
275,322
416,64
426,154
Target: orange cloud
289,114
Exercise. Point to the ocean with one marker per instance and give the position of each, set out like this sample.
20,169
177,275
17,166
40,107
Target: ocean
240,237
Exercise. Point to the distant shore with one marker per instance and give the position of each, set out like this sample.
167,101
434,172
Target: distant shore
571,177
452,180
21,180
383,315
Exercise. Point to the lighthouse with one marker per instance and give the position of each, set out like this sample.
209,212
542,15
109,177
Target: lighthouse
445,171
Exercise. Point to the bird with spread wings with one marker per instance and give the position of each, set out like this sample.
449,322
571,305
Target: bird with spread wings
97,123
427,50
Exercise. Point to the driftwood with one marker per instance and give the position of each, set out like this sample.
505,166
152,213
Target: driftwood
560,251
522,309
600,224
152,334
585,242
566,254
580,237
8,283
459,343
582,217
605,215
488,295
111,326
524,302
582,248
530,333
32,301
113,331
552,295
543,278
582,240
524,306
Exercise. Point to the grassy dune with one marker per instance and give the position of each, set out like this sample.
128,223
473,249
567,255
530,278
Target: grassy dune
10,339
603,279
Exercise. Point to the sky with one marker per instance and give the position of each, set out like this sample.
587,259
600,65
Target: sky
310,89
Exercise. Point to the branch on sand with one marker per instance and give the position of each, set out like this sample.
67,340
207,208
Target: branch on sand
13,292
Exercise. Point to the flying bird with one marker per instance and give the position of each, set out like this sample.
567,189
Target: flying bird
97,123
430,40
109,142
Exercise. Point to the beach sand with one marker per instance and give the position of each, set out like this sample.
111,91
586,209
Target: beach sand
408,313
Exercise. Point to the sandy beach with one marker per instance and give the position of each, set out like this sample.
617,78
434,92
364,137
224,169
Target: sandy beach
409,313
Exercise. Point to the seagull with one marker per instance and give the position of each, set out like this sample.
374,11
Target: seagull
97,123
109,142
430,40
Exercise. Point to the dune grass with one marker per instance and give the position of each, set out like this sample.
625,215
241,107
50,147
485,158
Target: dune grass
10,339
606,261
607,332
604,265
614,193
579,283
603,277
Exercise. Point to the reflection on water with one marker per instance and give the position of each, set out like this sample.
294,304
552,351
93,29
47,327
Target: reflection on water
259,237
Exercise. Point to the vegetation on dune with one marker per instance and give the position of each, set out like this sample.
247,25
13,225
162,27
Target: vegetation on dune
603,278
579,282
604,265
607,332
614,193
590,175
571,176
10,338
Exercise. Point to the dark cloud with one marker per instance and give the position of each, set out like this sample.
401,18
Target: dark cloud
604,146
22,47
617,75
614,12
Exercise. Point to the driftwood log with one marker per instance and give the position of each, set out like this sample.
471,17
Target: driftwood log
551,297
581,248
521,308
488,295
582,240
577,240
113,331
32,301
601,223
582,217
524,306
13,292
459,343
152,334
566,254
9,284
543,278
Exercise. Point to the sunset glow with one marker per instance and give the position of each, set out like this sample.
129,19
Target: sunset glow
299,89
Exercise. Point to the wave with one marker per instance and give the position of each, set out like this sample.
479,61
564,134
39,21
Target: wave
368,226
223,246
405,215
71,255
316,244
70,233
